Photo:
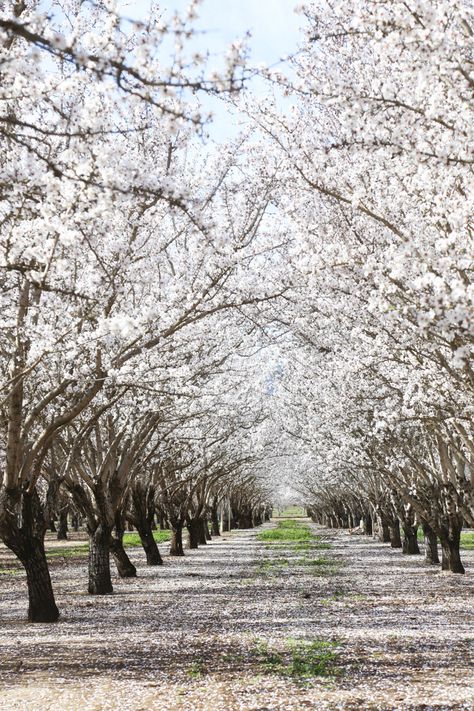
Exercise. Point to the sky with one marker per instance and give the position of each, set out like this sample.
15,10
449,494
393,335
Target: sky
273,24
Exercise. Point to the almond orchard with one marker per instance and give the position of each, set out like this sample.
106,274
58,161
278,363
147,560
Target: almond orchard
253,352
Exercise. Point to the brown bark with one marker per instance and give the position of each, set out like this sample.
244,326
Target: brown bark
153,555
193,527
215,528
125,567
42,605
100,582
368,527
176,547
62,524
410,541
450,540
27,543
431,545
245,521
226,523
383,529
395,538
202,534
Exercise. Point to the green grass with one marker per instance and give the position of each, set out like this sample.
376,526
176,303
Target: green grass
290,512
11,571
287,531
68,552
300,659
130,540
313,561
346,597
319,566
197,669
467,539
298,537
271,565
233,658
291,523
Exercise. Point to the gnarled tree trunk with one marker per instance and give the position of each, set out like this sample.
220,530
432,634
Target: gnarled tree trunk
100,582
41,603
125,567
203,532
431,544
450,539
410,540
142,516
27,543
215,528
194,528
62,525
176,547
394,529
383,528
153,555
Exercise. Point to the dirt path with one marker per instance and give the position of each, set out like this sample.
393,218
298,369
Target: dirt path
190,635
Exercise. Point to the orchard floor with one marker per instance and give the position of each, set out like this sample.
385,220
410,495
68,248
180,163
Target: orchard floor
188,635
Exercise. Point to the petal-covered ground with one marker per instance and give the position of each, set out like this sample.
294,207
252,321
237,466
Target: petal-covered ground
218,630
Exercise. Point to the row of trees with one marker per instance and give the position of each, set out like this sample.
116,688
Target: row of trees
377,154
131,290
184,326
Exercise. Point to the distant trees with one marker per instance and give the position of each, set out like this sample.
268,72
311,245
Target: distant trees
113,244
185,331
377,178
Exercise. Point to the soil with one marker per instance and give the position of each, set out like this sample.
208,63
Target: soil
187,635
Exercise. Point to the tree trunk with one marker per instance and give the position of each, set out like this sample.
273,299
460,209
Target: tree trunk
62,525
193,527
431,545
215,522
75,522
225,519
176,548
27,543
451,556
202,537
125,567
100,582
153,556
384,531
395,538
410,541
245,518
368,528
42,605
